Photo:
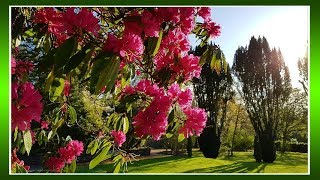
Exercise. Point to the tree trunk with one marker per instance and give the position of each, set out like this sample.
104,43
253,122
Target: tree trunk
234,132
257,149
209,143
268,148
189,147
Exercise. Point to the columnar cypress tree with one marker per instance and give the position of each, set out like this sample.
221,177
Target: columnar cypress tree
213,91
265,84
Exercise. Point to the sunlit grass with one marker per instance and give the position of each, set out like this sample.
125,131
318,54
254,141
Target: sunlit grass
241,162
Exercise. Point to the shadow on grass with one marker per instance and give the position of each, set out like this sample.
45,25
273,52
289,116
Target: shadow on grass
238,167
146,163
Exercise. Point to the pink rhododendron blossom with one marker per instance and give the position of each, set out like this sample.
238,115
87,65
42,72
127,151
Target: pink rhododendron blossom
151,24
15,161
173,45
170,14
66,90
188,67
195,123
55,164
75,23
184,98
119,137
23,67
132,27
44,125
13,65
67,154
26,105
205,13
212,28
187,19
76,147
73,149
152,120
130,47
54,20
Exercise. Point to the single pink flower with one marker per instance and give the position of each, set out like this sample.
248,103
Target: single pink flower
119,137
44,125
55,164
26,105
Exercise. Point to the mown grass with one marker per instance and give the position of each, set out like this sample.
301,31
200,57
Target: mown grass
241,162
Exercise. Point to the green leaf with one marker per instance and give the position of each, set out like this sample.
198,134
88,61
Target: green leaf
72,114
49,80
169,135
95,147
50,135
125,124
65,51
100,62
156,49
103,155
204,57
181,137
27,139
117,168
117,158
76,59
213,61
15,134
108,75
73,166
171,116
47,43
56,89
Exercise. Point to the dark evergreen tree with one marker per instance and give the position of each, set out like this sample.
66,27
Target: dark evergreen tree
212,92
265,85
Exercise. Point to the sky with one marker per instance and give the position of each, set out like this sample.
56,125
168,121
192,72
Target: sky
285,27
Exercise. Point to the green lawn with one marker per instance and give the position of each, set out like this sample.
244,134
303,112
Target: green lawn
241,162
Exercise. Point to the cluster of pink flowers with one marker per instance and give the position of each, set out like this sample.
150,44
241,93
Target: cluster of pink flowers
20,68
65,24
130,47
153,119
196,117
173,56
195,123
66,155
119,137
26,105
15,161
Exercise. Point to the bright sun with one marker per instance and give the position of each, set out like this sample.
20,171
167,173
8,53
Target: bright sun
288,30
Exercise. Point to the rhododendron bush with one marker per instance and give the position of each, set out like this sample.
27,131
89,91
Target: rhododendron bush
137,57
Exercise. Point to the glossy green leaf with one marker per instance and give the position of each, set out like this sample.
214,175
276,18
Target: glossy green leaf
156,49
181,137
27,139
73,166
117,168
65,51
72,114
95,147
213,61
49,80
103,155
125,124
76,59
108,75
56,89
